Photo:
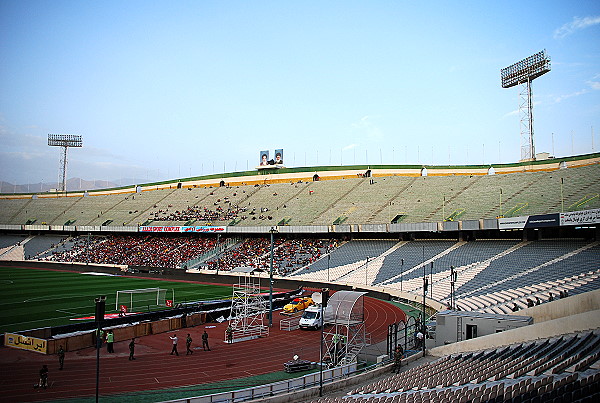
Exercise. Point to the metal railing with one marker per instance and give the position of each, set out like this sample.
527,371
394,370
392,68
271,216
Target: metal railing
228,243
290,323
272,389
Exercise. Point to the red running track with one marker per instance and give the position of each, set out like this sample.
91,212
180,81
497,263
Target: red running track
155,369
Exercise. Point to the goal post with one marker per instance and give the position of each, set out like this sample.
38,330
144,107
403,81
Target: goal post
144,298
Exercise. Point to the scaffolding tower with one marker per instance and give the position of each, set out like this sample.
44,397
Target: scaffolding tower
248,308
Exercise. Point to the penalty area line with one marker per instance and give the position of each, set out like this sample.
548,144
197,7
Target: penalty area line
67,312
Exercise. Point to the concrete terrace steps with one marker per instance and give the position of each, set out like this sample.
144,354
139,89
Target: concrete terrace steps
505,299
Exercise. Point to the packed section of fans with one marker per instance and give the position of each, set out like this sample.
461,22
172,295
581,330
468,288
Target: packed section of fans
135,251
288,255
177,252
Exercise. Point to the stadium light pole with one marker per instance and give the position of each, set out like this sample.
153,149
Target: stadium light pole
328,258
65,141
431,277
424,292
218,253
401,272
562,199
452,285
272,231
100,309
523,73
324,298
444,209
422,330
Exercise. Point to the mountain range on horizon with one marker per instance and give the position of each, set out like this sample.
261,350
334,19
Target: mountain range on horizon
73,185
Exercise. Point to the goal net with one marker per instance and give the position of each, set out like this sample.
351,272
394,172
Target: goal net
144,299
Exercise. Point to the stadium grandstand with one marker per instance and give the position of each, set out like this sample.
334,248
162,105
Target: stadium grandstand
483,244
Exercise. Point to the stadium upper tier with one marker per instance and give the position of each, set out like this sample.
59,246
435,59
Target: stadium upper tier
375,196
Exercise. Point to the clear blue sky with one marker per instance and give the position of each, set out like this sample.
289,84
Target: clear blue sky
168,89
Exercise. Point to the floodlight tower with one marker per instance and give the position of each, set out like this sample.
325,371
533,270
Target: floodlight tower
65,141
524,72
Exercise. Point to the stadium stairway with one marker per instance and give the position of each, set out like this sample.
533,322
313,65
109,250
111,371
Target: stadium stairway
16,251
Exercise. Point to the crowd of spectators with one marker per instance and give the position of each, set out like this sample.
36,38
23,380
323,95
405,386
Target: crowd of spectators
175,252
151,251
224,208
297,253
219,213
196,213
530,303
248,253
288,255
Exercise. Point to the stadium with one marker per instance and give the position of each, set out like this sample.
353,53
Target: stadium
497,265
157,269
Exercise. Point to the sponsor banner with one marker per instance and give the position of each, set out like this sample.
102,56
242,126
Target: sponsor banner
107,316
512,223
533,221
543,220
209,229
204,228
160,229
580,217
26,343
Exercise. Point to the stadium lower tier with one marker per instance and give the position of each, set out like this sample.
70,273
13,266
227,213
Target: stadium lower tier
563,369
494,276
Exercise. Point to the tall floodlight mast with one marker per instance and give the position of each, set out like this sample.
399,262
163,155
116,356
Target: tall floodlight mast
65,141
523,73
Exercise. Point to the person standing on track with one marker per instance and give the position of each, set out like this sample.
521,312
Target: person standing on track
61,357
188,345
43,377
174,349
132,349
229,333
110,339
99,338
205,341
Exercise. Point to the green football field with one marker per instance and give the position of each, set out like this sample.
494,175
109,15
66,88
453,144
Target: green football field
32,298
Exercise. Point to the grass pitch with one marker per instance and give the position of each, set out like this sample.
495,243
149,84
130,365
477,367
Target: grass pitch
33,298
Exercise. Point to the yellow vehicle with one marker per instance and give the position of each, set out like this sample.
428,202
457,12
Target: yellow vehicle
298,304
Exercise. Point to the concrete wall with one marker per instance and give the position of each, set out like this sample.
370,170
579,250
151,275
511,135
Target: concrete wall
86,339
485,325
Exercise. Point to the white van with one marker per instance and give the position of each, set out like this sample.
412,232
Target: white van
311,318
